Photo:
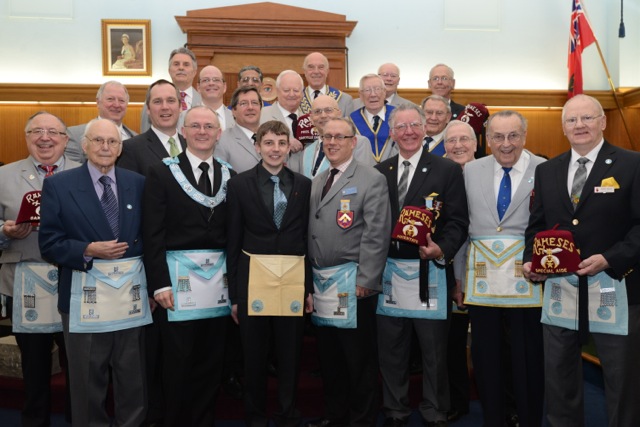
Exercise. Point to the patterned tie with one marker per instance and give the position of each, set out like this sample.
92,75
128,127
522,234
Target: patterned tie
279,202
294,123
254,137
376,123
578,181
318,159
110,205
183,102
173,147
329,183
48,169
504,193
316,93
204,183
403,184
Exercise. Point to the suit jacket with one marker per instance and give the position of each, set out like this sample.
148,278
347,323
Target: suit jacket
301,162
396,101
251,228
272,112
16,179
74,151
145,121
603,223
433,175
235,148
143,151
456,109
174,221
72,217
366,240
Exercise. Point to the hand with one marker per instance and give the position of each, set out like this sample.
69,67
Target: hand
308,304
431,251
364,292
234,313
165,299
295,145
110,249
528,274
592,265
153,304
16,231
458,296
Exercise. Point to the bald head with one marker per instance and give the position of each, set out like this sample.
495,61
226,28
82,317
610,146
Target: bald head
323,109
316,70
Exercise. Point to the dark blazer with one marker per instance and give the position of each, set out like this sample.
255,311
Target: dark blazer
72,217
143,151
434,174
251,228
174,221
603,223
456,109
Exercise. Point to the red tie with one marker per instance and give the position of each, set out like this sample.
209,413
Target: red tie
183,103
48,169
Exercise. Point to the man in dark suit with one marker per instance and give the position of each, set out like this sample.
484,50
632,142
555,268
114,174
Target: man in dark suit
260,225
91,227
603,215
162,139
423,176
441,82
185,237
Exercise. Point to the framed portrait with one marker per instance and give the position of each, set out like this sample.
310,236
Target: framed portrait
126,47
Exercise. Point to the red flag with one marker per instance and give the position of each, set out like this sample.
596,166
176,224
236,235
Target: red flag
580,37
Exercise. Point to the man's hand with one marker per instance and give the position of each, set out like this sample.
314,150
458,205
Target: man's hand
363,292
16,231
592,265
110,249
458,296
528,274
295,145
165,299
431,251
308,304
153,304
234,313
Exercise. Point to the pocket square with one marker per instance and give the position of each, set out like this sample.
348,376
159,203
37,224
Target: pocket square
610,182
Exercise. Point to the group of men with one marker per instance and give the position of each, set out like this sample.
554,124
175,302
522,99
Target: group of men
242,212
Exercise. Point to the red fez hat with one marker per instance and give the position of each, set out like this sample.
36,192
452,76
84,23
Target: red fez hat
554,252
305,132
476,116
413,225
30,208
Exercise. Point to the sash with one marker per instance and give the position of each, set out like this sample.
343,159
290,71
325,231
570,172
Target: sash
308,162
334,301
494,274
305,104
193,193
400,291
112,296
35,298
276,285
438,149
608,306
199,284
380,140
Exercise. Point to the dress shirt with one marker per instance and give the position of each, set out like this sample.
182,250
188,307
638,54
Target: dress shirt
42,173
436,138
265,185
195,161
164,139
382,113
221,116
341,168
516,174
573,164
414,164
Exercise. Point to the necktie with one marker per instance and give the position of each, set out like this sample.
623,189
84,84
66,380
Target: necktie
48,169
316,93
504,193
279,202
578,181
428,140
318,159
183,102
376,123
329,183
294,123
110,205
254,137
173,147
204,183
403,184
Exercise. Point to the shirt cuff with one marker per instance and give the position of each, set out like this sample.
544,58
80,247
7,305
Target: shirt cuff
157,291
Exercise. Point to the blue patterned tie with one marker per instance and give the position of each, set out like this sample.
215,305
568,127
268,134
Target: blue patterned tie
279,202
504,193
110,205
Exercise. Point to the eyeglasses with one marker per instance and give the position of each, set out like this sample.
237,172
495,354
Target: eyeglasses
42,132
197,126
244,104
327,110
403,127
99,141
461,140
211,80
438,113
339,138
587,120
392,75
371,90
512,137
440,79
250,79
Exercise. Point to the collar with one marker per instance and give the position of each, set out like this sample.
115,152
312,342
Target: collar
591,155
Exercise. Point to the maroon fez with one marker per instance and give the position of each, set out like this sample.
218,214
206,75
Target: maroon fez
413,225
30,208
554,252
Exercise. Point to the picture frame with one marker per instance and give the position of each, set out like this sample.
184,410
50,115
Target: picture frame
126,47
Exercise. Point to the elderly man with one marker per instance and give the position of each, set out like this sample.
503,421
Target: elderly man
438,113
286,109
91,228
185,238
417,178
36,321
348,238
162,139
442,83
316,71
372,120
390,73
499,190
212,87
183,67
112,100
311,161
591,191
236,145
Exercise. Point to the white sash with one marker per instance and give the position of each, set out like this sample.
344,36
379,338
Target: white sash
199,284
35,298
334,299
112,296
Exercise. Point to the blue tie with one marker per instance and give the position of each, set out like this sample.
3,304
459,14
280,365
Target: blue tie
110,205
504,193
279,202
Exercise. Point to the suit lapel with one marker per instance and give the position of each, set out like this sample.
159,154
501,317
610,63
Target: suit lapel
155,145
561,180
30,174
419,176
606,158
125,200
343,181
488,190
86,199
391,173
245,143
524,189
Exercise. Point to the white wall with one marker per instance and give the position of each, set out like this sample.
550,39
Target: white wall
499,44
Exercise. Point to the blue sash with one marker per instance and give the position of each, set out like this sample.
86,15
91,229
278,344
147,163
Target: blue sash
400,291
112,296
608,306
438,149
308,162
305,104
35,298
334,301
198,283
380,140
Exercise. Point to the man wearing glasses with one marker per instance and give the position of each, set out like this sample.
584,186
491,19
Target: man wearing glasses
499,190
438,114
316,71
390,73
212,87
441,82
251,76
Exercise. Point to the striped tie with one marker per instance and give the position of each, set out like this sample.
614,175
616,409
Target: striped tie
110,205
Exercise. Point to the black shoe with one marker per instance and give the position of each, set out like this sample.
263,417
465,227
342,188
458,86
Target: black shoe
323,422
394,422
233,387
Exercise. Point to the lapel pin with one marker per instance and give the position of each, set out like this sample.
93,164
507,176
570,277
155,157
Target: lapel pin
530,180
608,161
129,207
390,168
424,169
32,177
